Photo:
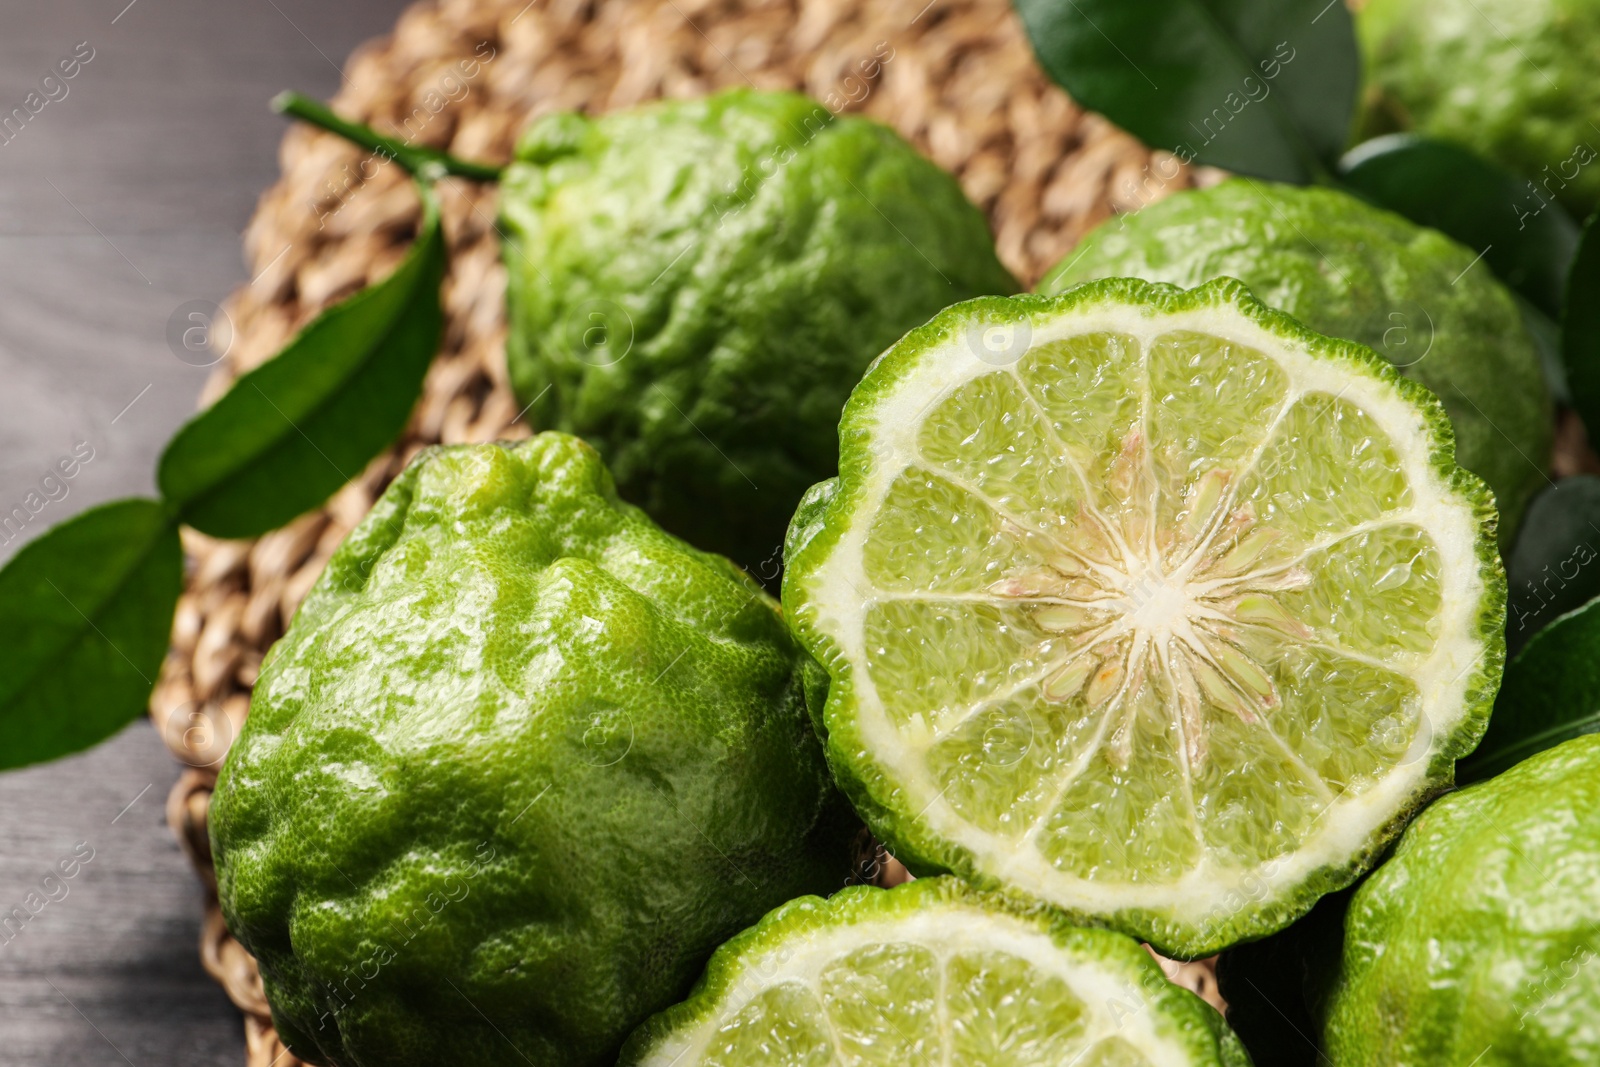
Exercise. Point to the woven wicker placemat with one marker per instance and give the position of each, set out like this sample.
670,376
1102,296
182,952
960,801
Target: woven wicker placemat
956,77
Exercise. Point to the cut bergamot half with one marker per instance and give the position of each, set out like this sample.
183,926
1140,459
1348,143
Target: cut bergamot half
932,972
1149,603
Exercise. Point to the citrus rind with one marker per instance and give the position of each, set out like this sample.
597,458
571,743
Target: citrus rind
932,971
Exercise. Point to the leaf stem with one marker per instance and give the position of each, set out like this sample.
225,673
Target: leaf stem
418,161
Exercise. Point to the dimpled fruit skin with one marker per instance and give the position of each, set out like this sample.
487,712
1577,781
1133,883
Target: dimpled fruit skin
1350,270
750,254
1514,80
1479,937
520,764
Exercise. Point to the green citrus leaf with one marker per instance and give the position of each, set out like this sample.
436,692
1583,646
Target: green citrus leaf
1527,243
85,614
1263,87
1546,334
292,431
1550,694
1580,328
1552,569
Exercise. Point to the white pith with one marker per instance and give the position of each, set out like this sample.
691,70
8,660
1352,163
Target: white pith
836,605
1116,1007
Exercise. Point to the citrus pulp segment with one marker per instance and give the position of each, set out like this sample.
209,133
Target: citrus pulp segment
932,972
1348,269
1151,604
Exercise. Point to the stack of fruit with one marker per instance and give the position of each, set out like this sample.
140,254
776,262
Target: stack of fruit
1132,612
1150,607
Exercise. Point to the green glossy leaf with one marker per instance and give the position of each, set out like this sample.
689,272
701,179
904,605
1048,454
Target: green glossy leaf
1263,87
1550,694
1528,242
1546,334
85,616
1555,565
1580,329
295,429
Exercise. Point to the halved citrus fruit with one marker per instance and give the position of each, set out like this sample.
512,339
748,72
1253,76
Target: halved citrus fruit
932,972
1149,603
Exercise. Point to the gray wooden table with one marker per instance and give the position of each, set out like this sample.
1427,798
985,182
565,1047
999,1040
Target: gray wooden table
120,200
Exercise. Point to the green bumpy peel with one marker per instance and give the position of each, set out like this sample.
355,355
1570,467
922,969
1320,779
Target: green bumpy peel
1478,938
1350,270
522,761
1513,80
695,286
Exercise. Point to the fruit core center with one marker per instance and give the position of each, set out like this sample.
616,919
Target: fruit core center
1140,601
1156,604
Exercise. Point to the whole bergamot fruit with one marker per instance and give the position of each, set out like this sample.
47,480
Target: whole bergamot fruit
695,286
522,761
1514,80
1347,269
1477,942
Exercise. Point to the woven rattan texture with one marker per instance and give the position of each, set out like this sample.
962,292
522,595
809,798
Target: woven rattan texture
956,77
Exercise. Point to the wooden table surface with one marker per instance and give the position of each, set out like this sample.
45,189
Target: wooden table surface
120,201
